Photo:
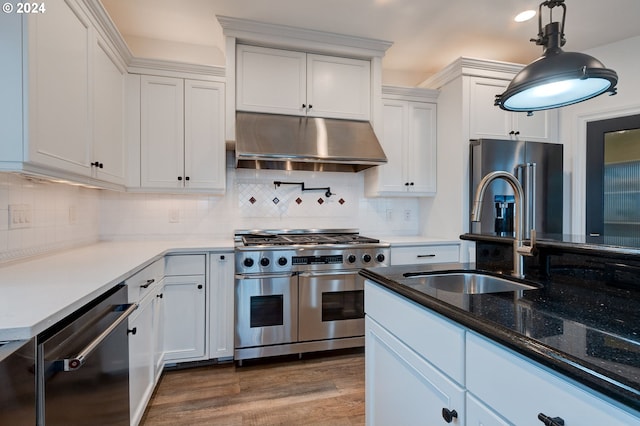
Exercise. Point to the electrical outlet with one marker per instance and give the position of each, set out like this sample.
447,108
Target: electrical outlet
174,216
389,215
407,215
19,216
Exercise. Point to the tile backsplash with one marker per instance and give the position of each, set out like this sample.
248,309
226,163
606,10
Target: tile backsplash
38,216
62,216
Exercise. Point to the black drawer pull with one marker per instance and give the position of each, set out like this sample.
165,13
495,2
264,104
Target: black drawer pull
425,255
148,283
550,421
449,415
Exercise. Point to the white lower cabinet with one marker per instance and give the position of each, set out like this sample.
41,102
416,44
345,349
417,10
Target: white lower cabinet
421,366
145,354
402,388
425,253
519,390
184,308
221,305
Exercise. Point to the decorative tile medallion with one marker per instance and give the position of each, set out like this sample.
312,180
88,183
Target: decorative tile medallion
275,200
299,200
320,201
341,201
252,200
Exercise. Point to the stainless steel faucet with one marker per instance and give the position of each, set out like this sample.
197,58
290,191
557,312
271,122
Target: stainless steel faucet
519,249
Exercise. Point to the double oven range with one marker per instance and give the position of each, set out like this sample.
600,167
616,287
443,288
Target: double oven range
299,291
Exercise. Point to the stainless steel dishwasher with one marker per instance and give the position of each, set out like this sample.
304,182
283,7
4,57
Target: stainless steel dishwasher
83,365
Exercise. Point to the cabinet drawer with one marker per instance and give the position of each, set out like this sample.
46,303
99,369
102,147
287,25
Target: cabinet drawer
435,338
185,264
519,389
142,282
445,253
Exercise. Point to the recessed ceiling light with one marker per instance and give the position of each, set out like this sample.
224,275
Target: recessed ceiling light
525,16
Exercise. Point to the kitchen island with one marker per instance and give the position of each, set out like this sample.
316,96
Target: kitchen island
584,334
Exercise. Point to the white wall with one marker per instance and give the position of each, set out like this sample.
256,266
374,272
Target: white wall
62,216
624,59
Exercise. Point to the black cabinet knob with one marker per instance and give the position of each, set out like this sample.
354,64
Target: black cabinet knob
186,178
517,133
411,184
180,178
133,331
449,415
512,132
304,105
160,295
406,184
310,106
222,257
199,286
550,421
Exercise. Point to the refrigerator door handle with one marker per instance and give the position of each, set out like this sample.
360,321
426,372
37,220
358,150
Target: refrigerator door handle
526,174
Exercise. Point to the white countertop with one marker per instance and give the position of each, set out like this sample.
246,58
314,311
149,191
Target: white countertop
37,293
415,240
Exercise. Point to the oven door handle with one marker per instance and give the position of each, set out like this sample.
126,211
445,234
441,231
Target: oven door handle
263,276
326,273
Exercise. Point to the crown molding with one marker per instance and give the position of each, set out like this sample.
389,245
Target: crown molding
473,67
263,34
410,93
146,66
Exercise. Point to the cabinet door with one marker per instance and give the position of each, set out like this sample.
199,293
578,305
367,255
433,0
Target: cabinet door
59,130
158,329
108,115
221,305
402,388
271,80
542,126
338,87
184,318
141,358
161,132
544,391
391,176
204,144
421,143
485,119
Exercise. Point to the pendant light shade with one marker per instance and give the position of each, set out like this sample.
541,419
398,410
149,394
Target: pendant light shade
557,78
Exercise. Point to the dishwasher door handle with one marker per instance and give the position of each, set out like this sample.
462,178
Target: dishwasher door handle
74,363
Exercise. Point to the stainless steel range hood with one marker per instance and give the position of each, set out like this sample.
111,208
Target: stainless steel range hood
283,142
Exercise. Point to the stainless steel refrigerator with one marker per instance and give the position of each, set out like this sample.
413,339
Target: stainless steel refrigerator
538,167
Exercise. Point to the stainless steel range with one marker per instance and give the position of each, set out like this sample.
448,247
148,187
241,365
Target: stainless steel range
299,290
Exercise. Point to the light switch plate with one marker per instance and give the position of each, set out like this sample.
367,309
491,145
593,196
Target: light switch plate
19,216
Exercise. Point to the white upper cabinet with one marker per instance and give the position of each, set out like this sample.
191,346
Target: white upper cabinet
489,121
108,155
409,142
296,83
182,134
65,87
58,100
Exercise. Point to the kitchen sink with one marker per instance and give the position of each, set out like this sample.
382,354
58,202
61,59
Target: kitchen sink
466,282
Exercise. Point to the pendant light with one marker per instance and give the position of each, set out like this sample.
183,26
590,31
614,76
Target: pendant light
557,78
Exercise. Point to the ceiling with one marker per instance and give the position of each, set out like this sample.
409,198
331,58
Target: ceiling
426,34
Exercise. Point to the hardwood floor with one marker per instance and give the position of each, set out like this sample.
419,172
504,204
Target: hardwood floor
319,389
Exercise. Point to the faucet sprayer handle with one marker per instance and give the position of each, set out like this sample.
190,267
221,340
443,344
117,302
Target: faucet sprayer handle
531,249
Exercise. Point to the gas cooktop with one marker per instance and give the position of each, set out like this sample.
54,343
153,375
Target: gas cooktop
301,237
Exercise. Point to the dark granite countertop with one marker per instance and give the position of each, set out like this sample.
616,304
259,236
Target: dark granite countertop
612,245
590,335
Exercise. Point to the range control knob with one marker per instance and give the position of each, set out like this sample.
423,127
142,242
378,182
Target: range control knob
380,257
366,258
248,262
264,261
282,261
351,258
